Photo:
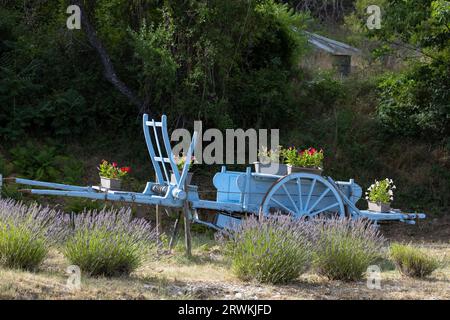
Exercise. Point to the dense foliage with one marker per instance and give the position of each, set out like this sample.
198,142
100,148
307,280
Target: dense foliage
189,58
416,101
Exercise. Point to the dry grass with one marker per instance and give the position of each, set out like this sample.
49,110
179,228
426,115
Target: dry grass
207,276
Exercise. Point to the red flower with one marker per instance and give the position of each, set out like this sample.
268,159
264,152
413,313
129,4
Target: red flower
114,164
125,169
312,151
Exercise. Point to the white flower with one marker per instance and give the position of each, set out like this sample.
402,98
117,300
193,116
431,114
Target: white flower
390,192
367,198
390,181
394,187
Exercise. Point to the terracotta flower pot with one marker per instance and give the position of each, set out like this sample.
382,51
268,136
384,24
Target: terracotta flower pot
112,184
379,207
292,169
278,169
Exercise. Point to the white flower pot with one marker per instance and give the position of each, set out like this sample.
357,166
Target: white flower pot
292,169
379,207
278,169
112,184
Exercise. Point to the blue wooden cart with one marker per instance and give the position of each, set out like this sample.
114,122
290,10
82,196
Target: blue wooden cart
238,193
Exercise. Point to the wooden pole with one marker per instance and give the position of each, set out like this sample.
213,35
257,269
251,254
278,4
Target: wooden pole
176,226
158,234
187,229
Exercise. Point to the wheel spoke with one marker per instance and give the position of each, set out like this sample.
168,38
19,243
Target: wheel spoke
290,198
312,199
282,205
313,185
325,209
299,183
318,200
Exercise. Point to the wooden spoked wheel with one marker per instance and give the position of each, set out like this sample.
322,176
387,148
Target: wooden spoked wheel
302,195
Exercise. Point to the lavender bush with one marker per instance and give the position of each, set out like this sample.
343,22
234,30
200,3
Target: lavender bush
272,250
411,261
26,233
109,242
344,248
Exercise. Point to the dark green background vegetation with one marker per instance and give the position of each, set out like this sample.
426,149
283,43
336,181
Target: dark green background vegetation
231,64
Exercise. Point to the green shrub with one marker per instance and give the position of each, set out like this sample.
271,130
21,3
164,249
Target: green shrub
46,163
412,261
345,248
26,234
274,250
5,166
416,102
109,242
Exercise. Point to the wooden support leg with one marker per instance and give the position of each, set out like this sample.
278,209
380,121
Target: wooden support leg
187,229
158,233
173,239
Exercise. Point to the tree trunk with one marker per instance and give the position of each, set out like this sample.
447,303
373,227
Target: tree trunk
108,67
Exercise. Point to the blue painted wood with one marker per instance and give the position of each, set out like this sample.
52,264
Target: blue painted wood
227,222
160,161
392,216
226,186
51,185
187,164
168,147
151,150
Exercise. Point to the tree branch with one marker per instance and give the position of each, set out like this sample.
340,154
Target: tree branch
108,68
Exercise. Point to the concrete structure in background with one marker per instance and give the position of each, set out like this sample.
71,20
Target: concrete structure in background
331,54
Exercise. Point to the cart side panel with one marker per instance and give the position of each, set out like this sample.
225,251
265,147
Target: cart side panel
227,188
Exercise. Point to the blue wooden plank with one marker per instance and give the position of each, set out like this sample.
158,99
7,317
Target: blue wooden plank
151,151
187,162
52,185
168,147
113,196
